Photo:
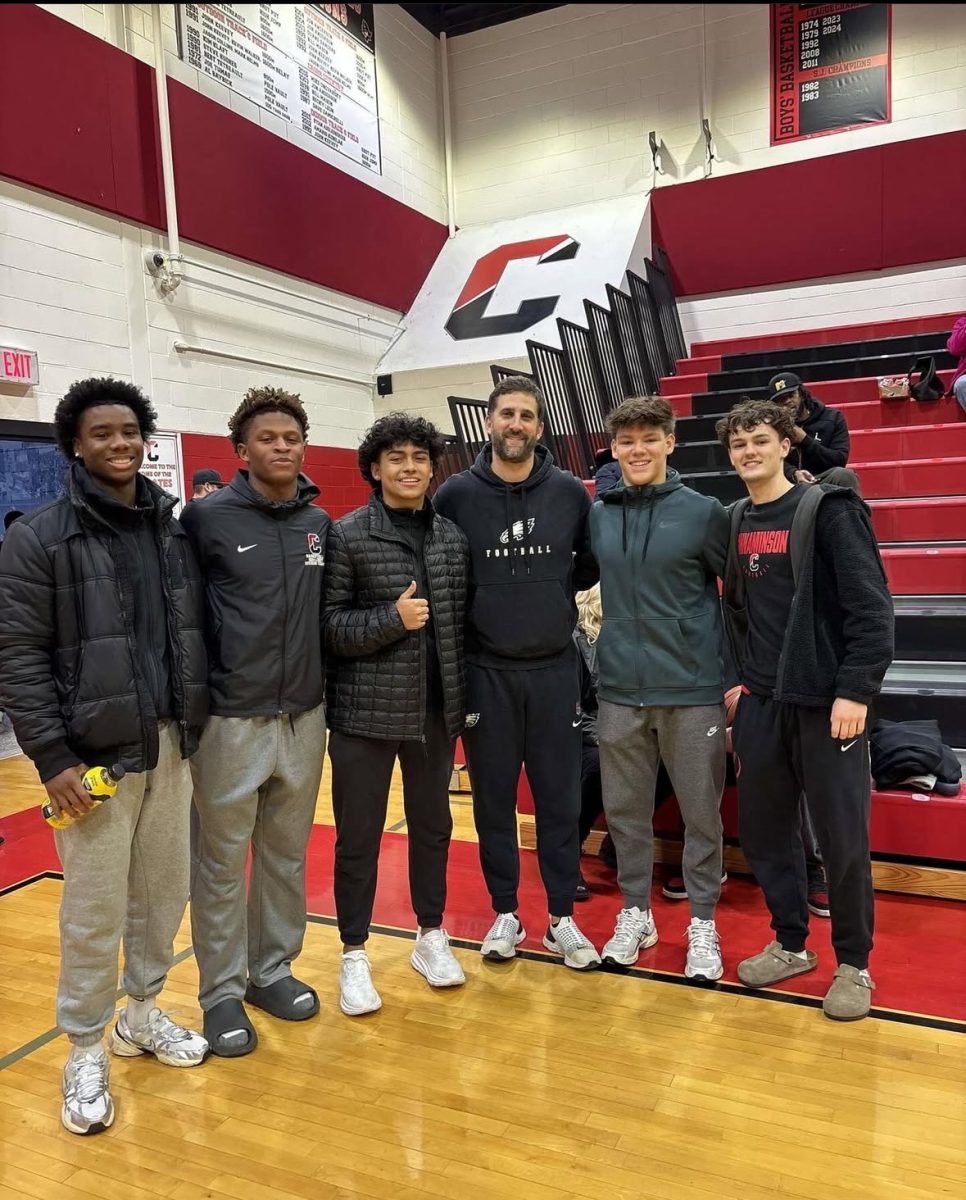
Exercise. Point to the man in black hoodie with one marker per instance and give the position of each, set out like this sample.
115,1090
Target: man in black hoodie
102,662
526,521
820,436
261,545
811,629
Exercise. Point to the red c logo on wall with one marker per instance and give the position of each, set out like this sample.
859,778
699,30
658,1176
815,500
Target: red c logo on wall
468,318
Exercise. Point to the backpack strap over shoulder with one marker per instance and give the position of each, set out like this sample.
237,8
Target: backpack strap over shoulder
801,538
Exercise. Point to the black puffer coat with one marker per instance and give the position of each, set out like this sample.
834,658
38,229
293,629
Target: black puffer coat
69,674
376,668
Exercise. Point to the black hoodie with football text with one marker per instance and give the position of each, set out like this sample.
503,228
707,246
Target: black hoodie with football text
529,553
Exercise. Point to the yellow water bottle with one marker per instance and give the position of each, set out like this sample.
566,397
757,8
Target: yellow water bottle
101,782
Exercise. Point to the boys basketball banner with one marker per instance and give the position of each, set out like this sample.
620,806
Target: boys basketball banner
830,68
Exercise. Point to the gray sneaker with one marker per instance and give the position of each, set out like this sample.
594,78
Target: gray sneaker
170,1043
773,965
565,939
850,996
88,1107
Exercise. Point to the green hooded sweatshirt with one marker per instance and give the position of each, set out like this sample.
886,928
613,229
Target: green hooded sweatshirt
660,550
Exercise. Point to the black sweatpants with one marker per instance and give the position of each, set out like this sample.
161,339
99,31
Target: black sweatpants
782,750
526,718
361,776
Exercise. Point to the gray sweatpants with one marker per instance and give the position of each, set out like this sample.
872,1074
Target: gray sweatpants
125,871
256,783
691,741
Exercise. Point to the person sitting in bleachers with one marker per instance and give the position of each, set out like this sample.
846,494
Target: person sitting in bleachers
820,441
957,345
607,474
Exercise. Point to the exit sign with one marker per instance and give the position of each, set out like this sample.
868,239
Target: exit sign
19,366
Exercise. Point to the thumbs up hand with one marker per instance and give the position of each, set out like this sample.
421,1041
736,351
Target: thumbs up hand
414,613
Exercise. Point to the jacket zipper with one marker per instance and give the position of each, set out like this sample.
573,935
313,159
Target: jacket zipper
399,540
174,644
281,678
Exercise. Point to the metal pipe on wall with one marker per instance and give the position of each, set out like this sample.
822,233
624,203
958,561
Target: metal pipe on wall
167,160
447,137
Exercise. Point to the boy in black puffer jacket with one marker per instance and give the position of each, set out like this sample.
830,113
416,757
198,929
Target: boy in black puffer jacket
103,663
393,616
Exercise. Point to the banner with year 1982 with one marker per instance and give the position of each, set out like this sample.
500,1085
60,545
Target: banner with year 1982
830,68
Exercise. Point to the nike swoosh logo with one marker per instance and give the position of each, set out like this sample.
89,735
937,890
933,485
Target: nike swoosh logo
575,725
848,745
242,549
712,731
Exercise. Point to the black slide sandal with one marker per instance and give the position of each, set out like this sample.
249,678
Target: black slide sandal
223,1018
279,999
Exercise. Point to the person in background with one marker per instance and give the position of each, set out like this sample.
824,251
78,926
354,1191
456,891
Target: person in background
810,625
820,436
608,472
102,662
204,482
395,601
261,545
957,345
526,522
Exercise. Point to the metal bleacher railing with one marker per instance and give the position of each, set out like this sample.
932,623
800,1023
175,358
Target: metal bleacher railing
625,349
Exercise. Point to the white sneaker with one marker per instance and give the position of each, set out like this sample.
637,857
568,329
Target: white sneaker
566,939
506,933
356,993
88,1107
434,960
704,951
170,1044
635,931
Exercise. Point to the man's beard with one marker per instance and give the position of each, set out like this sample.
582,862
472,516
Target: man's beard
518,452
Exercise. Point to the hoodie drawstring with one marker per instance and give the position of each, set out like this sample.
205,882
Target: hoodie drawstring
509,530
526,529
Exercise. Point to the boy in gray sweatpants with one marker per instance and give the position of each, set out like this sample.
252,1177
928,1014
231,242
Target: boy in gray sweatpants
260,542
660,547
102,664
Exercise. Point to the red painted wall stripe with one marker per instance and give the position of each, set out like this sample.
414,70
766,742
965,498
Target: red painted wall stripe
826,216
78,118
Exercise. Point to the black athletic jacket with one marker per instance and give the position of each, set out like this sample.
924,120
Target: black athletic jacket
840,636
376,668
262,562
826,443
529,553
83,670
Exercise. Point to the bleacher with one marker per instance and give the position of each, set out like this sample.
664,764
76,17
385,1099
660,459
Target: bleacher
911,460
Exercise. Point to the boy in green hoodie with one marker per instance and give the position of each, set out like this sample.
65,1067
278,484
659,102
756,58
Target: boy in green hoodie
661,547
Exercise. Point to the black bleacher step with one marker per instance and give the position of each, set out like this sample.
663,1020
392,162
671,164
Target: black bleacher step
700,456
822,372
793,357
724,485
930,628
918,690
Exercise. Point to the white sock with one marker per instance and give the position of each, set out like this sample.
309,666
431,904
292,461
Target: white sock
88,1047
139,1009
798,954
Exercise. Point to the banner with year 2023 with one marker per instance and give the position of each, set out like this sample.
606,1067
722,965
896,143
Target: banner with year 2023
831,68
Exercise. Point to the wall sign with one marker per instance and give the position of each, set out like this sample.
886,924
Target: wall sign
312,65
830,68
163,463
19,366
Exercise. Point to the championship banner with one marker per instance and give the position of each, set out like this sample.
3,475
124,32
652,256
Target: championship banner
831,68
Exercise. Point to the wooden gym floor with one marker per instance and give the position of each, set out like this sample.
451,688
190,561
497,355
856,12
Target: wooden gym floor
530,1082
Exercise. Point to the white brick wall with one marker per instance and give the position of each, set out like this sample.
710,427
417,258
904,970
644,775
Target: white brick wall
555,109
74,288
407,70
818,304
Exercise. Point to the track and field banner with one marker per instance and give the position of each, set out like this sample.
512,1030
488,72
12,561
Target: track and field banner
831,68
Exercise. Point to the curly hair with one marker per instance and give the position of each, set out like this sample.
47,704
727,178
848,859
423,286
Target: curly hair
396,429
653,411
749,414
88,393
258,400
